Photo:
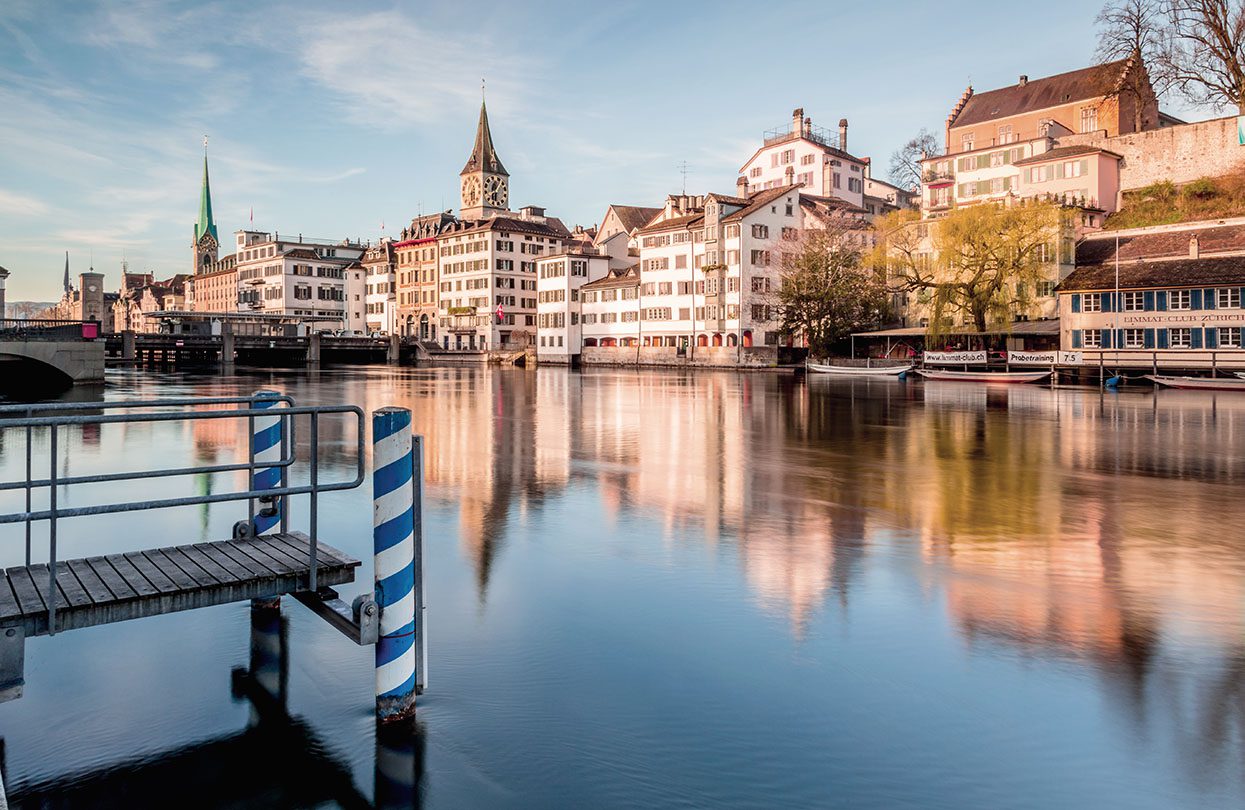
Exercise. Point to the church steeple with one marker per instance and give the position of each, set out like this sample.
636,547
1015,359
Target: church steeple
206,246
66,271
485,181
205,224
483,155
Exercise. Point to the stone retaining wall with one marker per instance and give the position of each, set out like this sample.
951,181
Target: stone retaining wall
700,357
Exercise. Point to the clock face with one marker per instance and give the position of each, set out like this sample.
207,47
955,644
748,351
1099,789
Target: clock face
91,288
495,192
471,191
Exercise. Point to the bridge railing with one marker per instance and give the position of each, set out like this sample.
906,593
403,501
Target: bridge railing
268,469
45,329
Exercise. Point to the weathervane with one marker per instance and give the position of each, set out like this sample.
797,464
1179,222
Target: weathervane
205,139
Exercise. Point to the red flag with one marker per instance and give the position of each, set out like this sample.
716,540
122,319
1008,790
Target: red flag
501,314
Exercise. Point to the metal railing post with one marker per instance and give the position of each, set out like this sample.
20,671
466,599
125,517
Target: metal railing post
314,496
394,548
266,445
421,603
29,470
52,533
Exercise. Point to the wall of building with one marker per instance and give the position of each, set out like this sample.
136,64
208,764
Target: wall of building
702,357
1180,154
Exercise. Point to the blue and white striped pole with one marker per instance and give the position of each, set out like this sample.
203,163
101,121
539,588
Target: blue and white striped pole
266,446
393,541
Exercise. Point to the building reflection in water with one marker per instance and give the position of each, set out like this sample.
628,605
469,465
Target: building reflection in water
1042,519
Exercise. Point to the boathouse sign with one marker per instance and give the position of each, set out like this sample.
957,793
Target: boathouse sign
954,358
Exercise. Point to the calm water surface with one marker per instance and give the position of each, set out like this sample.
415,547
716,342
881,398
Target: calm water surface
699,590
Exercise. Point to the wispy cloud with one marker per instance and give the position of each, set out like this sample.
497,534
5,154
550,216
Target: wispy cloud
391,72
14,204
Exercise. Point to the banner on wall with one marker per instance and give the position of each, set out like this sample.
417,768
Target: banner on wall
1240,130
1050,358
954,358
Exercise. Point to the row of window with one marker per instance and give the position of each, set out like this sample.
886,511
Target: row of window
1159,300
1184,337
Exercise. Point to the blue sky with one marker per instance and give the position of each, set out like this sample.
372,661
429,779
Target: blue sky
331,118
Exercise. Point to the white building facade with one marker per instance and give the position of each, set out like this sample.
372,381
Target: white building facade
559,278
301,278
809,157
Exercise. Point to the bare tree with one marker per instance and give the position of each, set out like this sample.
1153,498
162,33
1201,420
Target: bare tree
1135,29
1202,52
905,169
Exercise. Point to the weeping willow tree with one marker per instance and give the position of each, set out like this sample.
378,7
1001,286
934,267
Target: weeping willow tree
979,265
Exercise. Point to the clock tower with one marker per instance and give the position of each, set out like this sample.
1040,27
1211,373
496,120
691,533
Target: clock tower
206,245
485,185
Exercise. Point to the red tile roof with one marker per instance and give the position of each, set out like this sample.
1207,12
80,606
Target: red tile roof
1040,94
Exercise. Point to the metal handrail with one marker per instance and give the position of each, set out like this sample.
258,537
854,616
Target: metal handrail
287,416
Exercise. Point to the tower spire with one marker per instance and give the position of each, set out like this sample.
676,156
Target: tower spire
66,271
206,224
483,154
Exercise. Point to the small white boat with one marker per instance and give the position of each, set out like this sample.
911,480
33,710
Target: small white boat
1240,374
858,371
1236,383
983,376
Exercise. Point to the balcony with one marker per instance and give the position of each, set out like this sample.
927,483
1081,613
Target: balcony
934,177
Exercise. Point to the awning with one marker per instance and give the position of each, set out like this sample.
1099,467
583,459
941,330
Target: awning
1049,327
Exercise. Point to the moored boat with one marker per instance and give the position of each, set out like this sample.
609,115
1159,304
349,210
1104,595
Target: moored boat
1009,377
859,371
1236,383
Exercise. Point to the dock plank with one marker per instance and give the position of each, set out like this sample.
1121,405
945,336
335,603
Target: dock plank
8,600
197,556
133,577
115,582
255,552
252,568
325,554
71,589
192,569
100,590
24,588
91,582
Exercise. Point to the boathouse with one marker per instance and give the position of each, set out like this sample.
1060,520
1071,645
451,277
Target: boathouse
1166,297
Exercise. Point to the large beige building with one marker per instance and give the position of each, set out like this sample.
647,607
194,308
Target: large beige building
417,258
303,278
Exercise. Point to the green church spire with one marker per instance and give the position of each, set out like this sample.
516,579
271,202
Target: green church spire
205,225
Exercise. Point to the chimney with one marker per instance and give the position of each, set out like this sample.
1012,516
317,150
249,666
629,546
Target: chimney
869,167
1194,248
808,127
741,188
1023,80
843,134
797,121
790,175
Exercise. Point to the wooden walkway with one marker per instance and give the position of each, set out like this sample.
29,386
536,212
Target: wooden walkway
100,590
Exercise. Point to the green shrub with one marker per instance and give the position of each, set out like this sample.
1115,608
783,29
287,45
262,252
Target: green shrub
1162,191
1203,188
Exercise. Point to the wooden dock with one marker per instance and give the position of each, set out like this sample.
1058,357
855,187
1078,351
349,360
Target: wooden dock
117,587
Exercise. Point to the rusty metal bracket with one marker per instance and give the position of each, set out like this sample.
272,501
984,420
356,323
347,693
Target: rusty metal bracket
359,621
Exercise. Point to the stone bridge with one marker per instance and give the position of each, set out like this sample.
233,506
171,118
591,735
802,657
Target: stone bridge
49,354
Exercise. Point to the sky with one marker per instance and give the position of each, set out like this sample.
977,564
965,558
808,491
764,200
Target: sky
334,119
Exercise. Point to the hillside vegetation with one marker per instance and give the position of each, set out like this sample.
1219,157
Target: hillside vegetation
1164,203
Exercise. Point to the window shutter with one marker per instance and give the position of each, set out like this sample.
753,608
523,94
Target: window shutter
1212,338
1105,339
1195,299
1241,296
1148,339
1160,300
1148,300
1076,338
1195,338
1208,299
1028,175
1084,167
1162,338
1106,301
1119,338
1076,302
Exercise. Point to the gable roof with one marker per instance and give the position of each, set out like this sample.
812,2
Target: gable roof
1206,271
1064,152
673,223
758,201
1041,94
632,217
626,277
1167,243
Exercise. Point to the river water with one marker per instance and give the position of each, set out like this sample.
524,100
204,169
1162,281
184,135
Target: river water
655,589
